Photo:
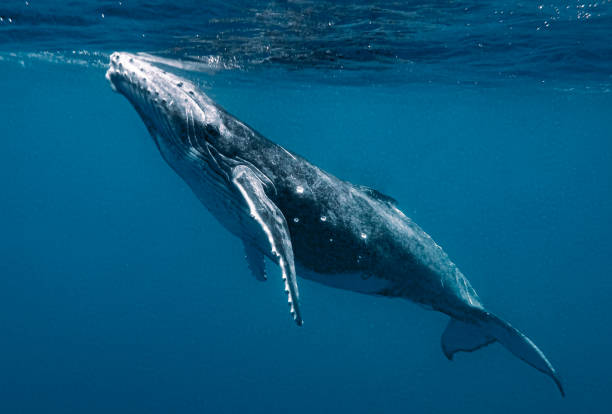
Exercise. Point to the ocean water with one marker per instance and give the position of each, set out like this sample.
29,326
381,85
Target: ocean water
491,124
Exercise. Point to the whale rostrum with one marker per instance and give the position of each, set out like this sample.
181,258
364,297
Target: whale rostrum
286,209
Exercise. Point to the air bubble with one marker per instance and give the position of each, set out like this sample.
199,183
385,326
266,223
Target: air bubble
364,236
323,218
296,220
299,189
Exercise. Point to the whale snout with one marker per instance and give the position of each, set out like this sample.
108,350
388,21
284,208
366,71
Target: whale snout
149,88
144,83
126,69
172,107
114,70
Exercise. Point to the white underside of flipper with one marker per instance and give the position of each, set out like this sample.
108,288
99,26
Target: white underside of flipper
274,225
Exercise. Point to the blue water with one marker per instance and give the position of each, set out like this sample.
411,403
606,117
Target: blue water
490,124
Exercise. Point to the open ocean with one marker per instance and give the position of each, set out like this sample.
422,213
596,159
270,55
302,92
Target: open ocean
489,122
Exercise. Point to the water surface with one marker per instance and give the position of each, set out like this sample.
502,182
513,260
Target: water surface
489,123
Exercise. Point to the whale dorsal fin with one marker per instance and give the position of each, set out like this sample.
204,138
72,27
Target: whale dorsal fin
274,225
255,261
377,195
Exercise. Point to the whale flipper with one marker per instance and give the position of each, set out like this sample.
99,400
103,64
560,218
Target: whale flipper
255,261
274,225
487,328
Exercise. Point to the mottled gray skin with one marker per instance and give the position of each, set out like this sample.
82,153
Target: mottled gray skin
363,232
340,234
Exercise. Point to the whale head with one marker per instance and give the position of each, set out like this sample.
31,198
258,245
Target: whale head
180,118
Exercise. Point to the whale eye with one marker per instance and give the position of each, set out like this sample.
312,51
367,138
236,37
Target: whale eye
211,131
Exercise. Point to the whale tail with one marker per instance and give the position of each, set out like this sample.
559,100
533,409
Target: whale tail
488,328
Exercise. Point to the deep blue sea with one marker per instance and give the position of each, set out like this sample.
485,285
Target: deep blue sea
489,122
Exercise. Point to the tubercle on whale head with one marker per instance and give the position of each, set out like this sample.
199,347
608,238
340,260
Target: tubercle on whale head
172,107
145,84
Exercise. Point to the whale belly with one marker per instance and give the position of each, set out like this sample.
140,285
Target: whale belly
356,282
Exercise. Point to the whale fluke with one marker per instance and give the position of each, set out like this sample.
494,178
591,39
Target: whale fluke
461,336
488,328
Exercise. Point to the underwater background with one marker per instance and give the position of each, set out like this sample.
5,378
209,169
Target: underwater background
489,122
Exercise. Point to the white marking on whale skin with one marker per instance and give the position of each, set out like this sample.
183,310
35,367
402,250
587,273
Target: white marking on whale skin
288,153
398,211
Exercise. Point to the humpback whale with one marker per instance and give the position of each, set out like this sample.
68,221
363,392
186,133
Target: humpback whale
286,209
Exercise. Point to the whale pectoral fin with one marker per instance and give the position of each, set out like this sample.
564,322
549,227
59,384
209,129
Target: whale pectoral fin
274,225
255,261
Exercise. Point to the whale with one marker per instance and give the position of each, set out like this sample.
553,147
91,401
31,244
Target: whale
305,220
